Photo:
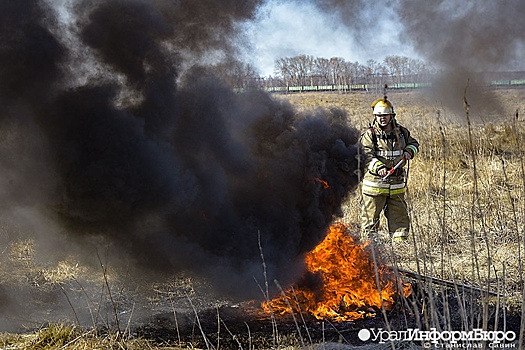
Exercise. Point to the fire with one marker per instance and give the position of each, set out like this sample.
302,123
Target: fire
348,289
322,182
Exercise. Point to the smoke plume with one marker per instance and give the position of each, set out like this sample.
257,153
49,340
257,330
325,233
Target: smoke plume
111,133
464,39
461,39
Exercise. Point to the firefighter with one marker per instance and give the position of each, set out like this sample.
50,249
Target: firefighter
388,148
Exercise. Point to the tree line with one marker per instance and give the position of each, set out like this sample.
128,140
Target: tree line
305,70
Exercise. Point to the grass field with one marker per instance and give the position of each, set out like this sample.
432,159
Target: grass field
466,198
466,186
466,194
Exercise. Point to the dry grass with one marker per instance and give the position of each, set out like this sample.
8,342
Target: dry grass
468,221
60,336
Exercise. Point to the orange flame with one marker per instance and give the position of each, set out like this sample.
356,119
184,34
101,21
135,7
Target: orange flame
349,289
322,182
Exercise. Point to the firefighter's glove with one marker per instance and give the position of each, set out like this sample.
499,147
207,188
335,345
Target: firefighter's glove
407,155
382,172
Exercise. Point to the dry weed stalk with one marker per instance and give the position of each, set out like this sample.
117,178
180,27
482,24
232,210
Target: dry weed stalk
266,292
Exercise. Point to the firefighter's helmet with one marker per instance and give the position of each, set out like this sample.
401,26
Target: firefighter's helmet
383,106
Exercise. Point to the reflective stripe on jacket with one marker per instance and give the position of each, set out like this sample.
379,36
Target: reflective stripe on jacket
377,188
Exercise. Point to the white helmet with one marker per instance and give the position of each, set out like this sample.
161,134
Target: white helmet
382,106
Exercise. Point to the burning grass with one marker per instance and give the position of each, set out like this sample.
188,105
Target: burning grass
349,285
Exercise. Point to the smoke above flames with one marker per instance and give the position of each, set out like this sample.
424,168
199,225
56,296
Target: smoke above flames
111,136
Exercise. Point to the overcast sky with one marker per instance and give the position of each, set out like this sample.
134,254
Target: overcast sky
290,28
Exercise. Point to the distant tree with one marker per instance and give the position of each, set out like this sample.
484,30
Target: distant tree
236,74
372,67
425,71
282,70
376,75
303,67
297,71
416,70
401,68
322,71
350,72
337,67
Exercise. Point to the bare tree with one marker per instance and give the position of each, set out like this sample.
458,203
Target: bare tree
376,76
282,69
306,70
322,71
236,74
393,65
337,70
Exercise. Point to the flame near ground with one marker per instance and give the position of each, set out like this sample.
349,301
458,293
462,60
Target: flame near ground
350,286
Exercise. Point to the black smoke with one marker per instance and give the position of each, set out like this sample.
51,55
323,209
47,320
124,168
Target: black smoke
113,134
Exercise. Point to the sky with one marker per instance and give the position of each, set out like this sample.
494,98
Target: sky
290,28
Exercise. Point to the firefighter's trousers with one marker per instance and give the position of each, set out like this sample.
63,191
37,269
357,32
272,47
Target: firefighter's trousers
395,210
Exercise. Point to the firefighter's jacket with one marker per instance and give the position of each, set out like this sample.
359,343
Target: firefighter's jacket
385,151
